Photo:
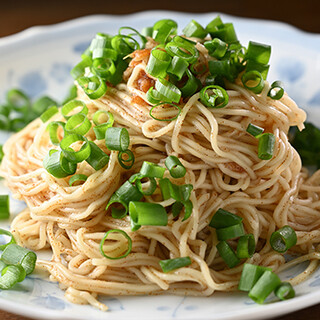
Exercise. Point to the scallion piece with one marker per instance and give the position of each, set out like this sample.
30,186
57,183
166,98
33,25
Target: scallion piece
48,114
164,104
266,146
216,48
9,234
104,53
42,104
267,283
126,159
230,232
214,96
147,214
71,106
258,52
57,165
224,219
173,264
253,80
154,97
10,275
194,29
178,206
250,275
97,159
124,45
224,32
53,131
147,31
285,291
177,170
79,124
117,139
168,90
227,254
4,207
1,153
77,179
276,91
263,69
283,239
94,87
18,100
80,69
162,29
75,156
246,246
158,63
152,170
191,86
105,238
254,130
178,67
103,68
14,254
151,188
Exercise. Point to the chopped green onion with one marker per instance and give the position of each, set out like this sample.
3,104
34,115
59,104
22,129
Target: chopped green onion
154,97
1,153
147,31
97,159
177,170
80,69
158,63
214,96
10,275
230,232
53,131
253,80
104,53
14,254
179,193
285,291
151,170
117,139
194,29
216,48
227,254
178,206
276,91
250,275
163,104
224,31
173,264
99,113
191,86
258,52
77,178
178,67
126,193
129,159
283,239
9,234
103,68
105,238
48,114
4,207
162,29
18,100
72,155
151,188
78,123
42,104
124,45
214,24
72,105
267,283
254,130
266,146
57,165
246,246
147,214
263,69
224,219
94,87
168,90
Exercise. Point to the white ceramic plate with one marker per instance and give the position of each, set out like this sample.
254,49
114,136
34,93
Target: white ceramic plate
39,59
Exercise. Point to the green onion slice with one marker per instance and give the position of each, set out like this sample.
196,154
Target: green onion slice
263,69
173,264
254,130
77,179
14,254
283,239
75,156
18,100
168,90
105,238
253,80
97,159
178,67
42,104
80,69
164,104
101,127
227,254
258,52
126,159
117,139
151,188
250,275
134,32
266,146
1,153
214,96
178,206
79,124
224,219
147,214
216,48
10,275
162,29
57,165
276,91
285,291
230,232
4,208
158,63
9,234
176,168
94,87
53,131
71,106
48,114
246,246
267,283
152,170
191,86
194,29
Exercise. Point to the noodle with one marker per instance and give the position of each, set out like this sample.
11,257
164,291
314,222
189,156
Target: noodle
223,167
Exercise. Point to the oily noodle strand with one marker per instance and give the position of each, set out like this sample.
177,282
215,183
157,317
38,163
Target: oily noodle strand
223,166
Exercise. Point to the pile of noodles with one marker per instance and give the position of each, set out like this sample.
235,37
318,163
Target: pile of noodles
222,165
